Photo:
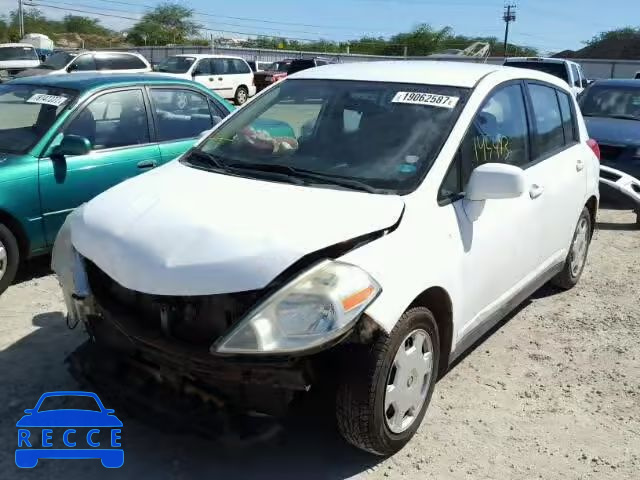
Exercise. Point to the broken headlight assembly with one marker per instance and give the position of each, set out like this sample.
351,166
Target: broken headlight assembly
318,306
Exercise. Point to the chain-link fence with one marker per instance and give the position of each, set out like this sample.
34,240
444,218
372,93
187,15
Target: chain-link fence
593,69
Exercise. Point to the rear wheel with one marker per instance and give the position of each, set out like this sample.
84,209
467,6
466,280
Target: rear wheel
387,388
9,257
577,257
242,95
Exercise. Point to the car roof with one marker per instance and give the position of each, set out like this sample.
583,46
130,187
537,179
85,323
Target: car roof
16,45
206,55
89,81
619,82
428,72
538,60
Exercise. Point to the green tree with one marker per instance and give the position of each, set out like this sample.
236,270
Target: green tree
84,25
166,24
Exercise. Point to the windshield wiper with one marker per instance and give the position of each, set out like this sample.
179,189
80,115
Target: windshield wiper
201,157
624,116
350,183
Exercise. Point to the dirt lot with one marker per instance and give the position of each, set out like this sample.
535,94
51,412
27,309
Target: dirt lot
553,393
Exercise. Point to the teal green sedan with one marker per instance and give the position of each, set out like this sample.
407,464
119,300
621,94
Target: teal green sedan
66,138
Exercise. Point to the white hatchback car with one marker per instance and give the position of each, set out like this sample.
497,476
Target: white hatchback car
229,77
407,209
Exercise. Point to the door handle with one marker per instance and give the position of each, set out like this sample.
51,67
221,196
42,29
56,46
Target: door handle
535,191
147,164
220,78
579,165
211,79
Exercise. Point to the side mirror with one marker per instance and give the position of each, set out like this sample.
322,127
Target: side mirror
29,411
493,181
72,145
43,58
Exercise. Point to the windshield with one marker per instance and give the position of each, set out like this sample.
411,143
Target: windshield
176,64
382,135
69,402
556,69
58,61
618,102
8,54
27,113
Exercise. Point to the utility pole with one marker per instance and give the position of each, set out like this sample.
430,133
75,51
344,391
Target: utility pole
508,17
20,19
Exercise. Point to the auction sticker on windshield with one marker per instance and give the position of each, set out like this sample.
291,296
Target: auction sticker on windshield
44,99
423,98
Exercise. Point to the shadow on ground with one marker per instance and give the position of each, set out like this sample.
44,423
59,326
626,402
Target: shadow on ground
309,446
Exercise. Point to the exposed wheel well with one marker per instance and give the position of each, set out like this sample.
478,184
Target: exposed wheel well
438,301
16,228
592,206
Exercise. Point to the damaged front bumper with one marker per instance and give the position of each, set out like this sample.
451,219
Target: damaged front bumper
144,357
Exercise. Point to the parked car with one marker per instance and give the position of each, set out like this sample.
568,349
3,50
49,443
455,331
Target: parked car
66,138
637,76
413,206
15,58
570,72
229,77
304,63
81,61
273,73
612,111
257,66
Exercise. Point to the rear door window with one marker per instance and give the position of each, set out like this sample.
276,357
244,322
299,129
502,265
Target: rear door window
180,113
549,131
118,61
240,66
568,117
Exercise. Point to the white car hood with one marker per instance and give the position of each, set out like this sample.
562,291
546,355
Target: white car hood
182,231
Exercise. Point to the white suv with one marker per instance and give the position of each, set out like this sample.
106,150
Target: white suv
73,61
360,224
229,77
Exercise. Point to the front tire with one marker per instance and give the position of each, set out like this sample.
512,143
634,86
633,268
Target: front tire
577,257
241,96
9,258
387,387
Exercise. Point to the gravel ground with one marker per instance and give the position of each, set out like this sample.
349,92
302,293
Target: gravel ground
554,392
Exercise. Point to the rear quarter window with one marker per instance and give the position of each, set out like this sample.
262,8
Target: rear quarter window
119,62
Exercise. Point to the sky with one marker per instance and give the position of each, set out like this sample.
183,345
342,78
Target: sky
549,25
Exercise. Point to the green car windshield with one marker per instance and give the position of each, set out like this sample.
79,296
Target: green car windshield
28,112
373,136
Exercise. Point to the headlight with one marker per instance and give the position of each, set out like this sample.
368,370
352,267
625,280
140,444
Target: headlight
319,305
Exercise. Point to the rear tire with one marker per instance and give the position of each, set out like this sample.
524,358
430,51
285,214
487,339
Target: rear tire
9,258
577,257
241,96
366,408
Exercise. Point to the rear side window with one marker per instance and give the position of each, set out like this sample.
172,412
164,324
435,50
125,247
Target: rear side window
568,118
180,113
220,66
556,69
240,66
119,61
549,135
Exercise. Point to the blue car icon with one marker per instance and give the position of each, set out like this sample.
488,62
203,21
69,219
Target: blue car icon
38,423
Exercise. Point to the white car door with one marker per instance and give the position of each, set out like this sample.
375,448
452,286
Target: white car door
223,81
202,73
559,169
499,248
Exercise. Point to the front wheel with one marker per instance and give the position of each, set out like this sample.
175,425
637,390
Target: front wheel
9,258
242,95
577,257
385,393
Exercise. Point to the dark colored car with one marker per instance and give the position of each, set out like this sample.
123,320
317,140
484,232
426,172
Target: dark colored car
272,74
305,63
611,109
